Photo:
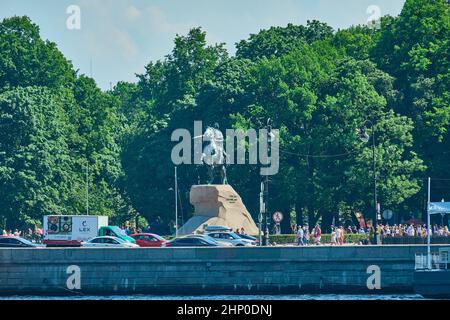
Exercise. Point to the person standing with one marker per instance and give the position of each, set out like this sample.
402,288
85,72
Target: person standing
317,234
333,236
341,236
300,235
306,235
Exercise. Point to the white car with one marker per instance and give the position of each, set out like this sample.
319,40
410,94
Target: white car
108,242
231,237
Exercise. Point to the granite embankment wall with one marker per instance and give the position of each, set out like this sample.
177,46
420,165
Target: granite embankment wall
206,270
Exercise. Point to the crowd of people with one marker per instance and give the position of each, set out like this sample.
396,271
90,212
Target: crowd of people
411,230
305,237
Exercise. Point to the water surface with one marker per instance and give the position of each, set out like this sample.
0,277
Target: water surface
227,297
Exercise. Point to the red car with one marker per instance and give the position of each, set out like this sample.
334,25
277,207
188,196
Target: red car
148,240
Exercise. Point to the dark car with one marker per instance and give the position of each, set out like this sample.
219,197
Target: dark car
16,242
211,239
191,242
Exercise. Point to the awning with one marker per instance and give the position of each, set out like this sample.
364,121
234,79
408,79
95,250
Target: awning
439,207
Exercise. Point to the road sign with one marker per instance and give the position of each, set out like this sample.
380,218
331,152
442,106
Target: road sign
277,217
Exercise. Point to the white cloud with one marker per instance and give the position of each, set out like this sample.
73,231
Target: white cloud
125,42
160,23
132,13
105,29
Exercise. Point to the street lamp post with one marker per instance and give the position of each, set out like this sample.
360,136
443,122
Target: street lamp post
266,211
365,138
261,212
176,203
265,192
87,188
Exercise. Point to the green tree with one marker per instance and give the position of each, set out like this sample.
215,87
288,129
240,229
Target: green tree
357,41
414,49
318,101
35,159
278,41
27,60
96,144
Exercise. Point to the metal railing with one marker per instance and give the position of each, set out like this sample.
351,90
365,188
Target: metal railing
415,240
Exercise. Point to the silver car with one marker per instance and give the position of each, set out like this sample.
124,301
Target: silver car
231,237
108,242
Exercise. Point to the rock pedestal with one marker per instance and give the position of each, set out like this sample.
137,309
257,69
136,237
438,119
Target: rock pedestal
218,205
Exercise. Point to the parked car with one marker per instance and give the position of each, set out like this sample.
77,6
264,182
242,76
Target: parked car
204,236
248,237
218,228
17,242
108,242
232,238
191,241
148,239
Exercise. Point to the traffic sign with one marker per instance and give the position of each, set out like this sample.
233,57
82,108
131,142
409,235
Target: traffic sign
277,217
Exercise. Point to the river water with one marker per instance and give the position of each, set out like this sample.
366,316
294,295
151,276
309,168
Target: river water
227,297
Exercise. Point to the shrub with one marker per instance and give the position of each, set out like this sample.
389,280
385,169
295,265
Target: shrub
326,238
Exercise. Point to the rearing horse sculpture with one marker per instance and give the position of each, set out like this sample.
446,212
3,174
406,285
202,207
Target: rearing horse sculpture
214,155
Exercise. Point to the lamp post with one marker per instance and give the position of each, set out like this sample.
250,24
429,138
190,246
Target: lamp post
87,188
265,186
365,138
429,226
176,203
261,212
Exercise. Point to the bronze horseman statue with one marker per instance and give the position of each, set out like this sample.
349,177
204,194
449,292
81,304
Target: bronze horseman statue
214,155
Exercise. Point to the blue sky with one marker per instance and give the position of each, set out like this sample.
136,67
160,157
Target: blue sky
121,36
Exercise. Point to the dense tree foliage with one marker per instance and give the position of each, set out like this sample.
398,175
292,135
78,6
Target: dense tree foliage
27,60
321,88
54,125
36,159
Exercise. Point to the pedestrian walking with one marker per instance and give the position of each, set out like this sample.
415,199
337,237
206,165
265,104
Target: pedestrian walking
317,234
333,236
306,235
